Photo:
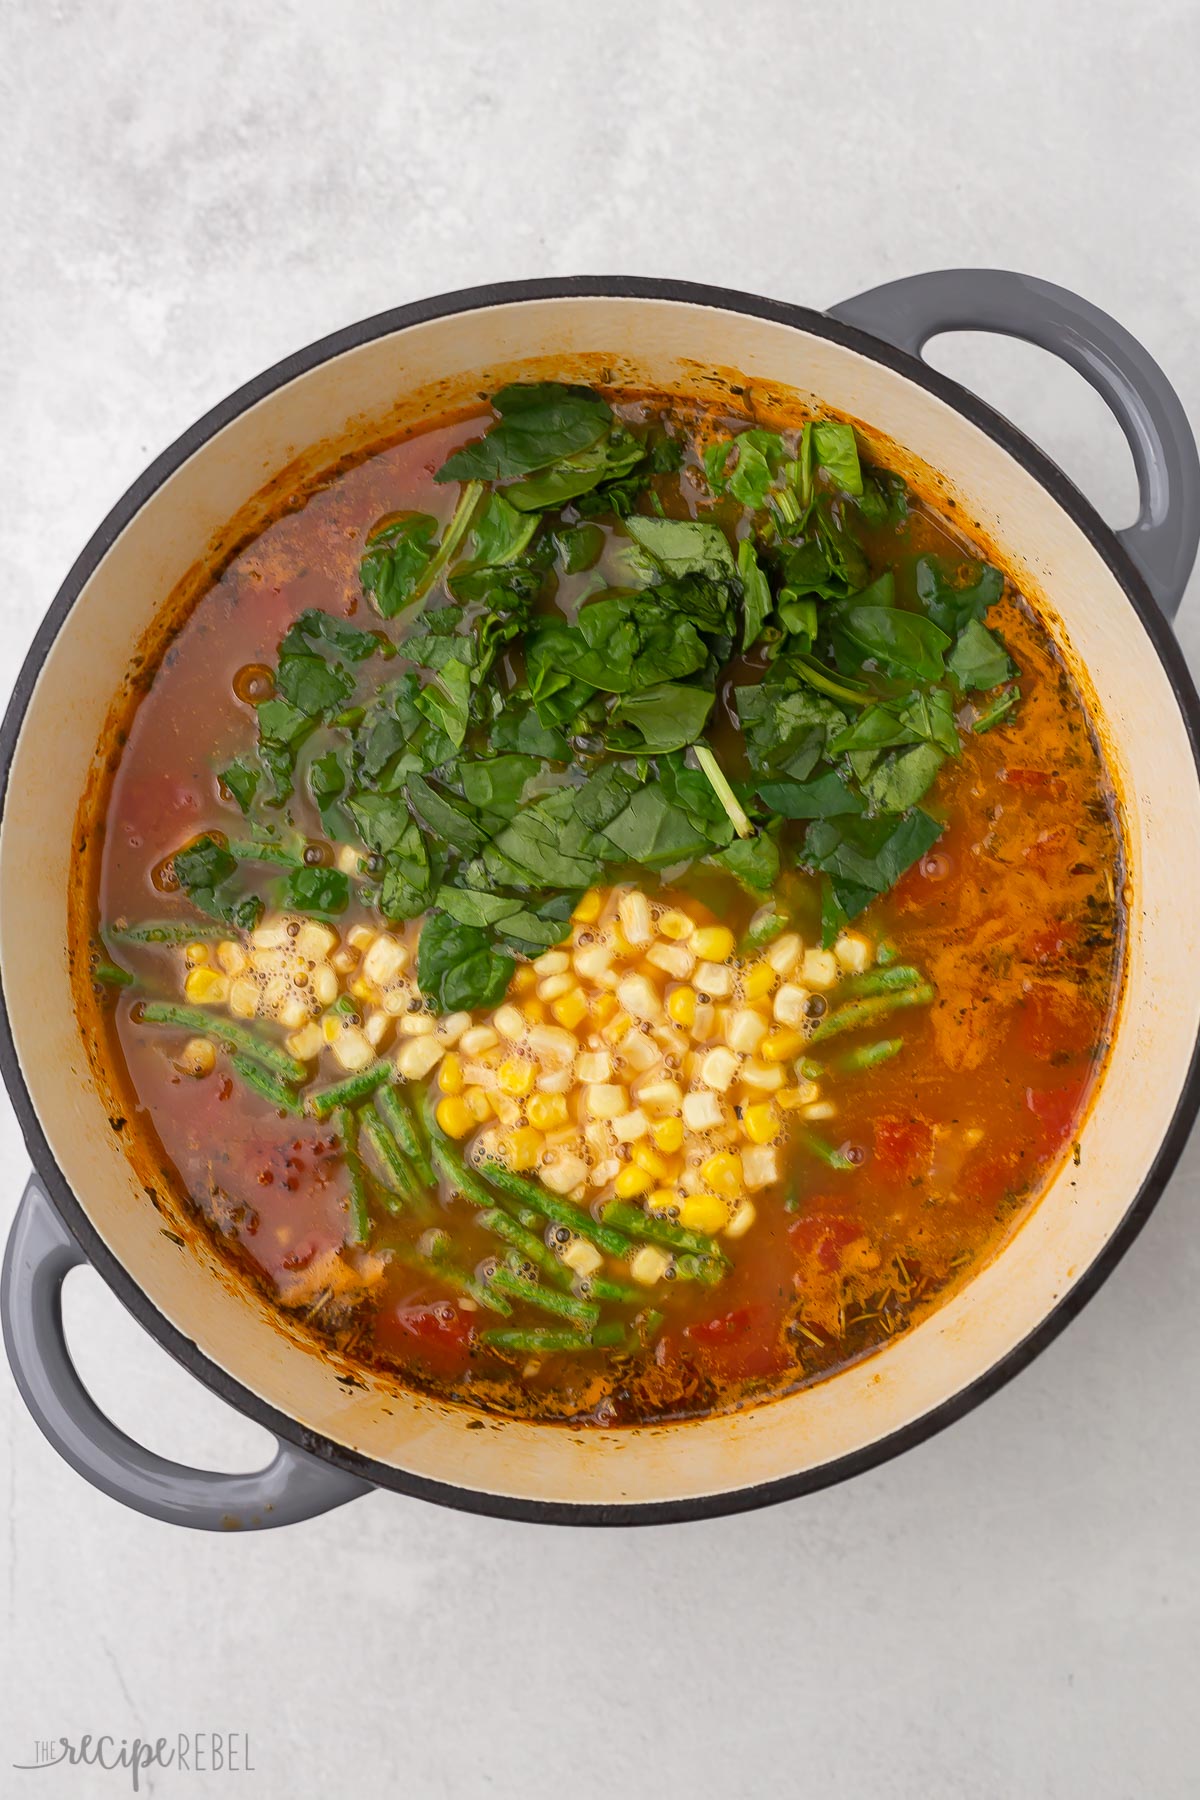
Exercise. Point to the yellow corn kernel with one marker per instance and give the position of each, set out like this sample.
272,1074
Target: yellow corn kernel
761,1122
742,1220
791,1097
651,1161
604,1007
662,1199
547,1110
204,987
617,1027
681,1006
523,982
535,1010
362,989
198,1058
522,1148
515,1076
455,1116
477,1104
712,943
668,1134
759,981
195,954
781,1046
676,925
723,1173
570,1009
588,909
451,1074
704,1212
633,1181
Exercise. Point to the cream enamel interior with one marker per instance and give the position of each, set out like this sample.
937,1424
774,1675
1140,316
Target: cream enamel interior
668,345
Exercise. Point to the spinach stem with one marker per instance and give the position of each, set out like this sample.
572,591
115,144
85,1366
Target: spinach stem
723,791
452,537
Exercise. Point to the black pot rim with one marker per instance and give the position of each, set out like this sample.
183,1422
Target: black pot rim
384,1475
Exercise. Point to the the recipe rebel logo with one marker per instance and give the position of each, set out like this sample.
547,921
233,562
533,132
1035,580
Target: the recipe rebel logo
188,1753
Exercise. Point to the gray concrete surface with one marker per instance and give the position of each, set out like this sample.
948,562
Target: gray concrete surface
187,192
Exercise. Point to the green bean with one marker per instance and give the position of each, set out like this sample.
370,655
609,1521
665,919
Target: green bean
519,1287
706,1269
557,1210
252,850
866,1012
229,1032
265,1083
451,1167
112,976
346,1127
654,1230
603,1287
825,1152
349,1092
394,1107
167,931
811,1069
532,1247
868,1056
610,1334
452,1277
881,981
387,1154
535,1339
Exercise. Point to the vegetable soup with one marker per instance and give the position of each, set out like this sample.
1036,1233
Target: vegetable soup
605,910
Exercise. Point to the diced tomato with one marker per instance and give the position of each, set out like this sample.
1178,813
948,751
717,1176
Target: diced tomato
902,1146
436,1330
1056,1109
441,1321
824,1236
1049,848
1052,942
740,1345
1055,1025
722,1330
1032,781
985,1181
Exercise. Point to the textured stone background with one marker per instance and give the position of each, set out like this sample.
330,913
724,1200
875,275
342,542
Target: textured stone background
187,192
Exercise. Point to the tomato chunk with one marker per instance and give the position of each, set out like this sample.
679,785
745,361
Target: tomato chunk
1056,1109
1056,1024
824,1236
902,1146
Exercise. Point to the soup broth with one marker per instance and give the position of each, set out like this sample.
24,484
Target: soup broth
614,933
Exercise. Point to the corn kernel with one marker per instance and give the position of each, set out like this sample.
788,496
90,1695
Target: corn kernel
536,1011
681,1006
477,1104
552,962
450,1075
713,943
633,910
546,1110
593,961
761,1122
555,1081
633,1181
294,1011
553,987
676,925
565,1172
306,1043
360,987
352,1048
324,985
789,1098
714,979
204,987
723,1173
582,1257
789,1005
651,1161
745,1029
784,953
649,1265
232,957
663,1199
781,1046
417,1057
570,1008
385,959
594,1065
704,1212
515,1076
705,1022
604,1007
607,1100
639,996
477,1039
617,1027
818,969
758,981
853,952
674,960
455,1116
244,997
702,1112
588,909
195,955
630,1126
742,1220
819,1109
760,1166
765,1077
718,1069
668,1134
524,980
198,1058
318,942
361,937
522,1148
451,1027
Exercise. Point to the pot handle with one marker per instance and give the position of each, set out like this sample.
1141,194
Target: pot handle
1162,541
41,1253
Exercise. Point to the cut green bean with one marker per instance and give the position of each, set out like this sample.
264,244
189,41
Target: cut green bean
228,1032
581,1313
824,1151
394,1107
868,1056
653,1230
167,931
610,1335
603,1287
451,1167
705,1269
346,1127
351,1091
531,1247
557,1210
253,850
880,981
536,1340
387,1154
859,1013
265,1083
435,1269
111,976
